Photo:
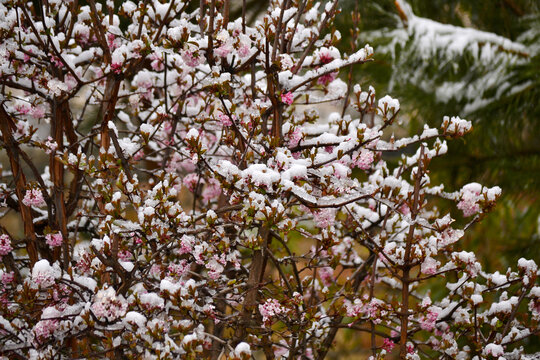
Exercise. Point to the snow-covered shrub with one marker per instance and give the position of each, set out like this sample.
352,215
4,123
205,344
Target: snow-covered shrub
191,205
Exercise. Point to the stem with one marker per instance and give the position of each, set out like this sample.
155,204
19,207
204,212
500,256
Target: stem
60,116
406,280
256,274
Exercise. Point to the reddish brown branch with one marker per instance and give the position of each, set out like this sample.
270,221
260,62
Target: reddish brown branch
7,126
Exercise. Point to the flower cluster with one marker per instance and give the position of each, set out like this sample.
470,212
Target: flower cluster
45,329
54,240
33,197
108,306
5,245
270,309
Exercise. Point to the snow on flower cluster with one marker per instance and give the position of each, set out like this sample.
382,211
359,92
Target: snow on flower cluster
364,159
388,105
108,306
43,274
473,194
45,329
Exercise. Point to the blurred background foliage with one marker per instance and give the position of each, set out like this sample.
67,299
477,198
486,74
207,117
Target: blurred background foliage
479,60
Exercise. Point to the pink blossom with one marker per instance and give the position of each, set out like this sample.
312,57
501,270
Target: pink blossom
175,163
494,350
287,98
244,51
271,308
138,155
54,240
354,309
468,206
429,266
45,329
111,41
469,199
83,263
372,308
212,190
23,108
325,57
155,270
404,209
108,306
5,245
37,112
190,59
125,255
191,181
82,37
281,352
327,78
61,293
225,120
327,275
34,197
70,82
57,62
364,159
178,270
324,217
116,67
43,274
223,50
388,344
8,277
286,62
23,128
186,245
165,131
214,269
428,322
188,165
51,145
449,236
295,137
157,62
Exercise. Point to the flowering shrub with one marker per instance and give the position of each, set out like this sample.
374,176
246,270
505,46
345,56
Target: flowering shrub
193,207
